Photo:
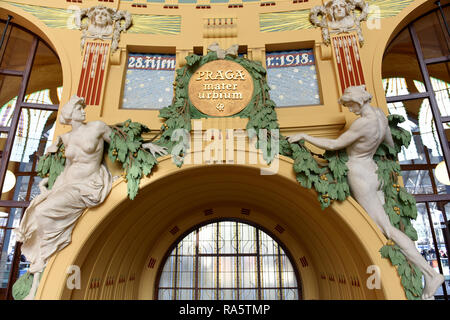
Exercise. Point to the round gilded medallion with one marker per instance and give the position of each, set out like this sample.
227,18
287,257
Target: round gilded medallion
221,88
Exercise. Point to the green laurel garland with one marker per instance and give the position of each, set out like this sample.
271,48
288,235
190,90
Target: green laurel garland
21,288
125,147
326,173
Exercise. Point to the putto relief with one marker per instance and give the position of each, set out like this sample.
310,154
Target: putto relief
103,23
339,16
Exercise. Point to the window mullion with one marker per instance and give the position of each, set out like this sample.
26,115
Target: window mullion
2,41
196,292
237,260
16,113
280,282
433,102
436,249
258,264
8,148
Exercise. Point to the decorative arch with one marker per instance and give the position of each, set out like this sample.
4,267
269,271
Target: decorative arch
120,245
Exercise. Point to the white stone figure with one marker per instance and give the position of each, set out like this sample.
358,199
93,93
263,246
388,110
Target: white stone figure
338,16
47,224
361,141
104,24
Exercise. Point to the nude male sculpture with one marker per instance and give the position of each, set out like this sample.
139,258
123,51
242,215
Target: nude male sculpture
361,141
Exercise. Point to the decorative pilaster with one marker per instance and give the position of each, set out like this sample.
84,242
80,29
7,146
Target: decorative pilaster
93,72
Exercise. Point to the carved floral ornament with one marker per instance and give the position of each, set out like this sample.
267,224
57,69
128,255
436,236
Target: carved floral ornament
103,23
338,16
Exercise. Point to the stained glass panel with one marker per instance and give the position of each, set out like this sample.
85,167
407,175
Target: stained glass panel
228,260
207,272
227,272
207,239
248,276
227,237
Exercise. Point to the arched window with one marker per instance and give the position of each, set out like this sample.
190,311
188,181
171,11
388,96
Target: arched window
416,79
228,260
30,92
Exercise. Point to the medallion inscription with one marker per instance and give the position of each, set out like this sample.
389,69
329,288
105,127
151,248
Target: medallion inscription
221,88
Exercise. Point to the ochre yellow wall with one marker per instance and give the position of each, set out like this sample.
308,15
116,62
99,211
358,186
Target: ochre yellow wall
118,238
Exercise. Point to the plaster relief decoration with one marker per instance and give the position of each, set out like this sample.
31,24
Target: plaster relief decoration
348,60
338,16
75,179
100,38
103,24
369,141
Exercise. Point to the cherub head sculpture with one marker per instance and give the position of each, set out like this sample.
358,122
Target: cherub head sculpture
337,9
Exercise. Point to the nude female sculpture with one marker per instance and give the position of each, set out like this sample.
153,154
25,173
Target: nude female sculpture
47,224
361,141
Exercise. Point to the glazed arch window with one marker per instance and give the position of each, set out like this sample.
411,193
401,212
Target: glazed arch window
416,80
228,260
148,81
30,93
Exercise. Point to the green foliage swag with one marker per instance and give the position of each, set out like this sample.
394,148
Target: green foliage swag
21,288
125,147
328,179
